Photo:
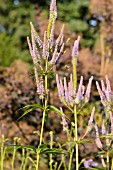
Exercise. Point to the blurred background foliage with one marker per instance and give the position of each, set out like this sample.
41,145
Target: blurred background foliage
15,16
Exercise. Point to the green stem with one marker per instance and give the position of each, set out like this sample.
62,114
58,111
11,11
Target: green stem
112,164
76,136
44,114
51,146
107,168
70,160
23,159
14,153
74,73
75,109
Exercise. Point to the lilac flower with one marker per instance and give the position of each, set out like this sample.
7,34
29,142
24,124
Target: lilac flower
45,46
88,90
75,48
106,92
70,89
64,123
59,46
53,7
39,83
103,128
79,95
111,119
108,89
102,95
66,91
60,87
97,140
90,163
90,122
35,36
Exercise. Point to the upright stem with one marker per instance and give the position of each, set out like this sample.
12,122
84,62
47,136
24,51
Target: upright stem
44,114
51,146
75,109
70,160
112,164
14,153
74,72
76,136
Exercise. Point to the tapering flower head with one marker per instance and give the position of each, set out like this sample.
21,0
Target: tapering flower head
75,48
97,140
53,8
91,120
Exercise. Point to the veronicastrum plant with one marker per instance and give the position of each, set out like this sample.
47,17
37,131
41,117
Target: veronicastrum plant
45,54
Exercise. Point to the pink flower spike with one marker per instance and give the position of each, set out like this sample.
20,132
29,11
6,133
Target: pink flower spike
53,7
108,89
108,84
97,140
88,90
76,47
102,96
90,122
103,86
66,89
103,128
79,95
65,125
58,86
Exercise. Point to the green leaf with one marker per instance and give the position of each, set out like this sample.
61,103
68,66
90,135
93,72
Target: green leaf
31,105
35,106
53,151
42,146
33,148
53,108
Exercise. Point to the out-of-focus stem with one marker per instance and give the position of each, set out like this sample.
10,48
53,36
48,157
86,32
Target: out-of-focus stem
70,160
14,153
107,168
2,152
112,164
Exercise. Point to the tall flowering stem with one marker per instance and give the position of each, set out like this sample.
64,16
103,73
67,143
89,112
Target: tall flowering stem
45,54
74,62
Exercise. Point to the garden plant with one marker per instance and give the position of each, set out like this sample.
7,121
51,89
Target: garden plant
46,54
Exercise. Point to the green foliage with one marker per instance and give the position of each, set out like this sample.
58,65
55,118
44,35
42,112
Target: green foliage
14,29
77,14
